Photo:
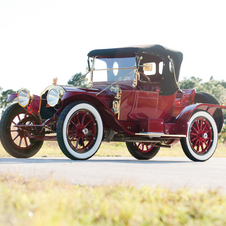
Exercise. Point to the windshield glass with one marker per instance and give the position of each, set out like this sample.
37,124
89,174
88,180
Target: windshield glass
113,69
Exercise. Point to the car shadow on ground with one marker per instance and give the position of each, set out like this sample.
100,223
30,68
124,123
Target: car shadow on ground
46,160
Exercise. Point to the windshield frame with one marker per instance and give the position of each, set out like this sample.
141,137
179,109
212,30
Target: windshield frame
133,69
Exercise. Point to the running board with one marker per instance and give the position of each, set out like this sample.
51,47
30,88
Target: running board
158,134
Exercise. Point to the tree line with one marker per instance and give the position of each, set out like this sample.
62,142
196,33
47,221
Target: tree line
214,87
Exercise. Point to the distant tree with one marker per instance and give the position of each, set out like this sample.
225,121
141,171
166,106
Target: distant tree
213,87
190,83
223,83
77,80
3,99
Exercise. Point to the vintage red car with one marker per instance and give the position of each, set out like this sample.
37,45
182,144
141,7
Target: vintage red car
132,96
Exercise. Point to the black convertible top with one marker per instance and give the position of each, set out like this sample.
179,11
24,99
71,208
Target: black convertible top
131,51
169,81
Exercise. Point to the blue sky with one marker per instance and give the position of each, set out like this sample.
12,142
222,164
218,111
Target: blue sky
43,39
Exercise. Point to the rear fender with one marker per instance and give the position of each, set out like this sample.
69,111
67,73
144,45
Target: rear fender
183,118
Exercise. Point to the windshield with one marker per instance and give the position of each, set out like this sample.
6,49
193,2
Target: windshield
113,69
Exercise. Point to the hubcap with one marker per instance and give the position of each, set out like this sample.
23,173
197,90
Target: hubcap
85,131
205,136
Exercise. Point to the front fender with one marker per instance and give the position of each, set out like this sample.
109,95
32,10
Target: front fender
11,97
183,118
102,103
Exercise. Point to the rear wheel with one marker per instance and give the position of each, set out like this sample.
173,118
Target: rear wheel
79,131
202,137
142,151
15,140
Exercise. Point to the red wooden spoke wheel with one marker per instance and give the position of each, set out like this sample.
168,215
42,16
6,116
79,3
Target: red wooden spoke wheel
19,136
15,140
142,150
144,147
202,137
79,130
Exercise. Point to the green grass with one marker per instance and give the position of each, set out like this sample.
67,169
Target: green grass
34,202
51,149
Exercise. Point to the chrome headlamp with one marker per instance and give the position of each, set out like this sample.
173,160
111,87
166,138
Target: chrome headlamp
23,97
53,97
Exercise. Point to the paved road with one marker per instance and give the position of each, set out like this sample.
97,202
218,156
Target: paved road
171,172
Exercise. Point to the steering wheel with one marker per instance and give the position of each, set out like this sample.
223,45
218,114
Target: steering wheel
146,77
148,81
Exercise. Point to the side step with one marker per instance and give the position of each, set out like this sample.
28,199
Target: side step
149,134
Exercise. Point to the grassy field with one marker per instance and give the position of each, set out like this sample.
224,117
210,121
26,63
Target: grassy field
56,203
33,202
51,149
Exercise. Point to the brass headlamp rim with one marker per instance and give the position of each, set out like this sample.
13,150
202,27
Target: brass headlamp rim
60,91
29,97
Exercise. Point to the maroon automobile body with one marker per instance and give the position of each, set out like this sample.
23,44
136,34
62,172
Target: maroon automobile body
146,109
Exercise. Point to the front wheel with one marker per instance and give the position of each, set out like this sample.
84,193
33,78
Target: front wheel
202,137
15,140
142,151
79,131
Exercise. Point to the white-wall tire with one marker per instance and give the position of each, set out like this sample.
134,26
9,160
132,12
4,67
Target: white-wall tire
202,137
79,131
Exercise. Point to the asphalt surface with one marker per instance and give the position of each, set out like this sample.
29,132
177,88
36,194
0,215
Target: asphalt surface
168,172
